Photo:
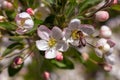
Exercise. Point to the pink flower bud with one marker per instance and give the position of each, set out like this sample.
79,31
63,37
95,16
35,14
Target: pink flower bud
46,75
101,16
115,1
107,67
85,56
7,5
105,32
30,11
59,56
18,60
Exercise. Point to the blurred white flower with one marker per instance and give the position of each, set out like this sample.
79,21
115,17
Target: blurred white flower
102,47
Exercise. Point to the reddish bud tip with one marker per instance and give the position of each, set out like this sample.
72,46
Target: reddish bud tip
18,60
46,75
107,67
85,56
101,16
59,56
30,11
115,1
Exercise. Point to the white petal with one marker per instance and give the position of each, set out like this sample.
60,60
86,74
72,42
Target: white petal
28,24
74,24
24,15
57,33
42,45
89,29
62,46
43,32
20,31
111,43
75,42
99,53
67,33
50,54
110,59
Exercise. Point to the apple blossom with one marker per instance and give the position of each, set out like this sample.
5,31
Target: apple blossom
24,22
101,16
75,33
102,47
51,41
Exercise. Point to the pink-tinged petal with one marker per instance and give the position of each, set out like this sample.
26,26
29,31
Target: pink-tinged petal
62,46
111,43
42,45
110,59
75,43
24,15
74,24
28,24
57,33
99,53
21,31
101,42
43,32
67,33
89,29
51,53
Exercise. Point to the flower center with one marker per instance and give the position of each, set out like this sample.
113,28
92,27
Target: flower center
51,42
22,22
75,34
100,47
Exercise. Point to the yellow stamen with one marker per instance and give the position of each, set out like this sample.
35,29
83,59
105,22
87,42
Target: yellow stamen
75,34
52,42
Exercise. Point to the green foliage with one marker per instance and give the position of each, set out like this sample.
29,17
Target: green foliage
8,26
64,64
12,47
116,7
13,71
86,4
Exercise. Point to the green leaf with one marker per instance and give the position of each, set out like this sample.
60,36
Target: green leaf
11,48
87,4
65,64
16,38
12,71
116,7
7,26
92,66
70,8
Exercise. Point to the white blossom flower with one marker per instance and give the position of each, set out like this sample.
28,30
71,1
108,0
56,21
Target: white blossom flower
75,31
104,49
51,41
24,22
